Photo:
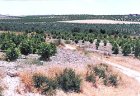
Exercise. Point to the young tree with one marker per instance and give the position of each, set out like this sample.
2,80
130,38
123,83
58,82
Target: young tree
137,49
12,54
25,47
126,50
97,43
115,48
105,42
47,50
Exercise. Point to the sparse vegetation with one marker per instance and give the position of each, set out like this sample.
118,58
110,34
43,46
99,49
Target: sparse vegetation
12,54
47,50
25,44
105,73
69,81
46,85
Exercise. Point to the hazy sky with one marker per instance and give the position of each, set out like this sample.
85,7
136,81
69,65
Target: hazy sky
44,7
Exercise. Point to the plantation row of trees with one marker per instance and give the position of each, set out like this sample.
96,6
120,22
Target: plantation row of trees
124,44
49,27
53,18
27,43
48,23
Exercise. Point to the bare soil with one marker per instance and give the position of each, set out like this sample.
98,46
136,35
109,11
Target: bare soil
100,21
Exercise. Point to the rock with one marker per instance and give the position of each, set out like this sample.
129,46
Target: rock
12,74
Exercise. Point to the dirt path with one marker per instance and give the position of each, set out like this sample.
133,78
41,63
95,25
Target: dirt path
129,72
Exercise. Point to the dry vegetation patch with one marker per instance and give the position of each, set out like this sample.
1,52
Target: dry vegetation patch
129,61
98,87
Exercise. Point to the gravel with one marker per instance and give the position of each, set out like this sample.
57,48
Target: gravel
71,57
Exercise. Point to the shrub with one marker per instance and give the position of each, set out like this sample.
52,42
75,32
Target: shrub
126,50
47,50
69,81
105,42
25,47
12,54
38,80
76,41
111,80
99,71
91,78
104,72
97,45
46,85
137,49
91,41
7,44
115,48
68,41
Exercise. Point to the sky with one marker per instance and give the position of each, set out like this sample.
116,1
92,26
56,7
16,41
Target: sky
58,7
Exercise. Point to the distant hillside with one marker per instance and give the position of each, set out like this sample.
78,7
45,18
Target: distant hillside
8,17
49,23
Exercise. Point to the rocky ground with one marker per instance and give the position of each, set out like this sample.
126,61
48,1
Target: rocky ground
67,56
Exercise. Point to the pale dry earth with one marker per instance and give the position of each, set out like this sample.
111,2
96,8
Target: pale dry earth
99,21
68,56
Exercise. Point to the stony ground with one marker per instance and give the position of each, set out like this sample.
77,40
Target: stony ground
66,56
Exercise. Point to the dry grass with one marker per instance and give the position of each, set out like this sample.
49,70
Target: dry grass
127,87
130,62
2,56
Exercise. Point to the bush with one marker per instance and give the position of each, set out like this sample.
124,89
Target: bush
69,81
39,80
111,80
46,85
115,48
76,41
7,44
97,45
47,50
12,54
25,47
91,78
137,49
105,42
104,72
100,71
68,41
126,50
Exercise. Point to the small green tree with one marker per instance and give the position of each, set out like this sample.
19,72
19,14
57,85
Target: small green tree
97,43
137,49
69,81
47,50
25,47
115,48
126,50
12,54
7,44
105,42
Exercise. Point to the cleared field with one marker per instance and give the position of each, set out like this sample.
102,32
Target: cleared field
100,21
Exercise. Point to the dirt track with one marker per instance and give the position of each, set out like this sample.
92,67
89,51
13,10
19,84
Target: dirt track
129,72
